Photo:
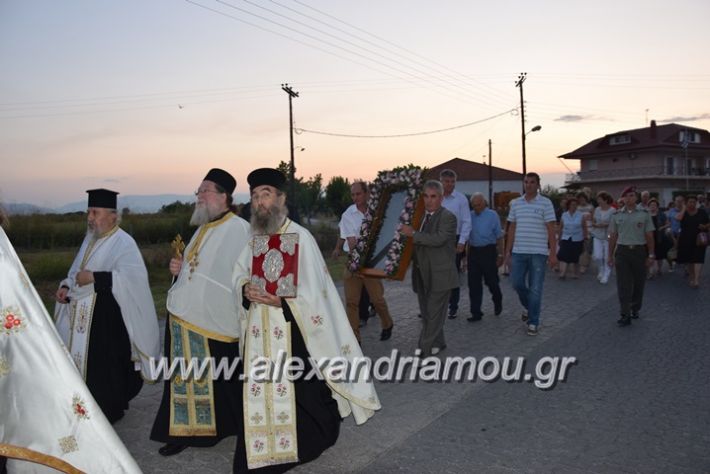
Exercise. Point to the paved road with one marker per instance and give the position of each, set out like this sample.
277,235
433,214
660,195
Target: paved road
636,400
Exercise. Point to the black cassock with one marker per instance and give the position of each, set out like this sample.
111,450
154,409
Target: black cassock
227,395
110,372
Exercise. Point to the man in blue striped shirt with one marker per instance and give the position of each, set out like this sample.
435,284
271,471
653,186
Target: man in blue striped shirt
531,242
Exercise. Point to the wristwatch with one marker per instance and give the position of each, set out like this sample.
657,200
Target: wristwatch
650,255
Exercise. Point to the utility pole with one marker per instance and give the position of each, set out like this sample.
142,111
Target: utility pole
292,178
519,84
490,175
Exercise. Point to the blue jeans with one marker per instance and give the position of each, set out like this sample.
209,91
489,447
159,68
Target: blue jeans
528,275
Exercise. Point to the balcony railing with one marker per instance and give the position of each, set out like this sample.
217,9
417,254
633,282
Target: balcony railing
644,171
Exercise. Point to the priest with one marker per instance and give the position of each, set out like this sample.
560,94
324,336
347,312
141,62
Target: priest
105,312
203,325
293,308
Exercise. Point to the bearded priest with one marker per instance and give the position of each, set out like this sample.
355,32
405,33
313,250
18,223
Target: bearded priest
293,309
105,312
203,325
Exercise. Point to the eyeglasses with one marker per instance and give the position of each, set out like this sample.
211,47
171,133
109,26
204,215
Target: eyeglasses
202,191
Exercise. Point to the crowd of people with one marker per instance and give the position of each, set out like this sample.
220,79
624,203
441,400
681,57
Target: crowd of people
675,233
248,289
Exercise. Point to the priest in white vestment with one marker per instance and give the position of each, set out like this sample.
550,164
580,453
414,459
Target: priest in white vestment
288,422
105,311
203,325
49,422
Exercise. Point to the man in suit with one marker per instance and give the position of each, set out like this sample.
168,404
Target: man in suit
434,272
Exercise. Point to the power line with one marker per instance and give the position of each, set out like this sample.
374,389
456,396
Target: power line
332,45
439,75
401,135
402,48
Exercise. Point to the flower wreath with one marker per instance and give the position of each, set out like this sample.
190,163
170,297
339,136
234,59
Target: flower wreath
407,178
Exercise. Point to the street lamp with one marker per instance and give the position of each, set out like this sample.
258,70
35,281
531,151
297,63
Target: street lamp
536,128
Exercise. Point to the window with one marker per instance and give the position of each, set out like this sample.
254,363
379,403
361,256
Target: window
619,139
670,168
592,165
693,137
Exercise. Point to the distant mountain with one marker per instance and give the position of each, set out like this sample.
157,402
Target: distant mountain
22,208
138,204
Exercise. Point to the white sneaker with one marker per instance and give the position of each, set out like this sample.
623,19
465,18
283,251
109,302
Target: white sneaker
435,351
532,330
604,280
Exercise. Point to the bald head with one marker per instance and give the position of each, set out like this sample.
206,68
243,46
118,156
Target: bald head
478,202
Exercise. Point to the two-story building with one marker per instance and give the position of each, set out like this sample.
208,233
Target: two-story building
663,159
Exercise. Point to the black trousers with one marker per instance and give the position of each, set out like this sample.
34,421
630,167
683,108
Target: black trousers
482,267
630,276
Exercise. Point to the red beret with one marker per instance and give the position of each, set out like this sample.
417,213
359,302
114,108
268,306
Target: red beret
627,190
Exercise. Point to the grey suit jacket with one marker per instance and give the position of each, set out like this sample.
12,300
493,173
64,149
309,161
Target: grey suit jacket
434,259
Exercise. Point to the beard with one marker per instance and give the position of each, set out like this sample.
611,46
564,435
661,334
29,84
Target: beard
267,221
92,233
203,214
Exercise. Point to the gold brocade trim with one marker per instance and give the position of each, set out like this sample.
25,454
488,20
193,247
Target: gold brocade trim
192,428
90,248
285,225
195,247
26,454
203,332
271,431
87,330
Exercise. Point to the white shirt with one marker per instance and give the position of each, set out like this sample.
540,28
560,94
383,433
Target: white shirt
458,205
350,223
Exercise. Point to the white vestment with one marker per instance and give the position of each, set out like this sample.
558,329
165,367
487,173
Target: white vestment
203,294
115,252
269,407
47,414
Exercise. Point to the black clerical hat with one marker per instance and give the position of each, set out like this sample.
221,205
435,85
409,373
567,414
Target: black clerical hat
223,179
102,198
266,176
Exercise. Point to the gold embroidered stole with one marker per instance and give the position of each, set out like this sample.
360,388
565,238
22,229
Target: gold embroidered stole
82,315
193,250
192,400
269,403
81,312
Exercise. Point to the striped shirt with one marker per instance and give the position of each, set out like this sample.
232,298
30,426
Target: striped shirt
531,218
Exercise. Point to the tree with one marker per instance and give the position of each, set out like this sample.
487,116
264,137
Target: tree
177,207
337,194
309,196
553,193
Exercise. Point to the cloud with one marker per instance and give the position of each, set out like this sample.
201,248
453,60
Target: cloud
572,118
112,180
692,118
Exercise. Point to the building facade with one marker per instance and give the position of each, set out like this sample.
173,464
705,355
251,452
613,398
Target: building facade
663,159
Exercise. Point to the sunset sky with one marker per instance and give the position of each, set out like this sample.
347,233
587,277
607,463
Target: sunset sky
145,96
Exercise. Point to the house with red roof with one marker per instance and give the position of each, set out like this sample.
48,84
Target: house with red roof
472,177
662,159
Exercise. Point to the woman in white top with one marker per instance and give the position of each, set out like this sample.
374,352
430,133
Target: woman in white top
572,235
600,232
